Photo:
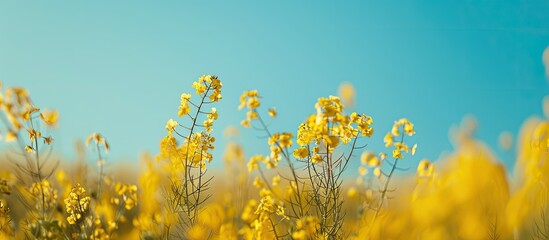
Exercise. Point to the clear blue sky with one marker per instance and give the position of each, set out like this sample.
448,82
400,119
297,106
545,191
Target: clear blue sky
119,67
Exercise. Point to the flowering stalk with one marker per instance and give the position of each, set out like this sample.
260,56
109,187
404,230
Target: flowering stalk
20,115
318,137
189,160
400,128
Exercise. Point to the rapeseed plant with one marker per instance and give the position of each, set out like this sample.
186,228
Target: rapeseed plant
187,163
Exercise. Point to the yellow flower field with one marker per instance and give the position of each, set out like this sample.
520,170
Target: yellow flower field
301,188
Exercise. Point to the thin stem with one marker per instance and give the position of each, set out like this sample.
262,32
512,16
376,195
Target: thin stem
384,189
100,177
292,169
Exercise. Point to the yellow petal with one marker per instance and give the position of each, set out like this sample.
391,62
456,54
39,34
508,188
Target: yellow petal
50,117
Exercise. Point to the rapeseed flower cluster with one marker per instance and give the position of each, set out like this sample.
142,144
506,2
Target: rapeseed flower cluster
77,204
46,193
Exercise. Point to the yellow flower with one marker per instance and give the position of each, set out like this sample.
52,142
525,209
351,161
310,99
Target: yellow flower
307,228
347,93
245,123
382,156
329,107
245,96
397,153
197,232
248,212
128,194
253,163
305,134
316,158
352,192
301,153
276,180
414,149
208,123
45,193
258,183
185,97
370,159
280,211
377,172
48,140
272,112
316,149
253,103
388,139
216,85
77,204
29,149
184,109
285,140
33,134
49,117
99,140
216,96
425,168
362,171
213,114
394,130
401,147
251,115
331,141
10,136
170,126
363,123
275,152
200,88
409,128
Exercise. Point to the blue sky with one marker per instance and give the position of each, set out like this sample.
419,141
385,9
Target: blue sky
118,68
